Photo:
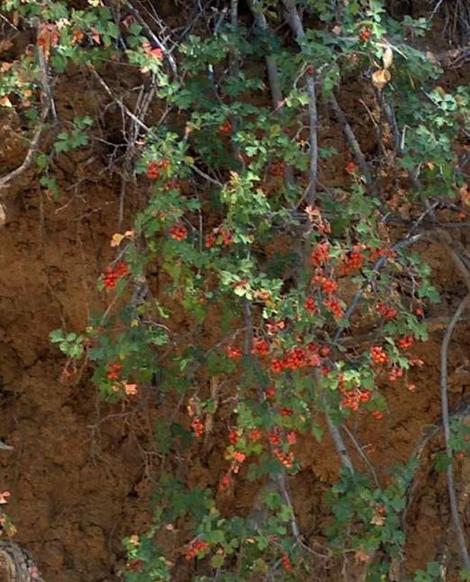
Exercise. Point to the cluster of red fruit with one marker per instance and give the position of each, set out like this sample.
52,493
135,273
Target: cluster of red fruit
386,311
378,356
286,563
219,235
365,34
286,459
352,399
154,169
351,167
395,374
178,231
353,261
198,427
112,274
310,305
113,371
320,254
405,342
296,358
333,305
260,347
233,352
195,548
328,285
226,128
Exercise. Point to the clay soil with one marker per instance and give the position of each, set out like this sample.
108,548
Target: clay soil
81,471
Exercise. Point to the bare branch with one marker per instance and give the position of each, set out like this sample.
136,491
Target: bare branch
136,14
297,27
446,422
340,446
47,106
351,139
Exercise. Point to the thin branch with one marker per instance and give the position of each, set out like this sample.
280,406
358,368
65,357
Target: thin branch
136,14
351,139
446,422
340,446
362,454
297,27
273,74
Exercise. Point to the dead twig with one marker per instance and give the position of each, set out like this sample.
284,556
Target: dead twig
297,27
352,140
446,423
47,107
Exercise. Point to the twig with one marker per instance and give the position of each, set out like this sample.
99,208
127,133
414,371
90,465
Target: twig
153,36
362,454
273,74
446,422
47,106
335,434
351,139
296,25
406,242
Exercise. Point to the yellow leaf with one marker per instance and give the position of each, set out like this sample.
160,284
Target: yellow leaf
116,239
387,58
5,102
380,78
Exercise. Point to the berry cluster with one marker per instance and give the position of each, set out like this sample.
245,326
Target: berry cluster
226,128
351,168
386,311
198,427
378,356
286,563
328,285
112,274
395,374
113,371
354,261
154,169
334,306
353,399
195,549
365,34
320,254
178,231
233,352
405,342
260,347
286,459
297,357
310,305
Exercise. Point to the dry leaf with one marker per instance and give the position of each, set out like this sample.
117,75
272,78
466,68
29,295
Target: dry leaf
3,215
464,192
116,239
380,78
5,102
387,58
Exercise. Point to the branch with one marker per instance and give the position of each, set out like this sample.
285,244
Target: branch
136,14
297,27
47,106
446,422
340,446
351,139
